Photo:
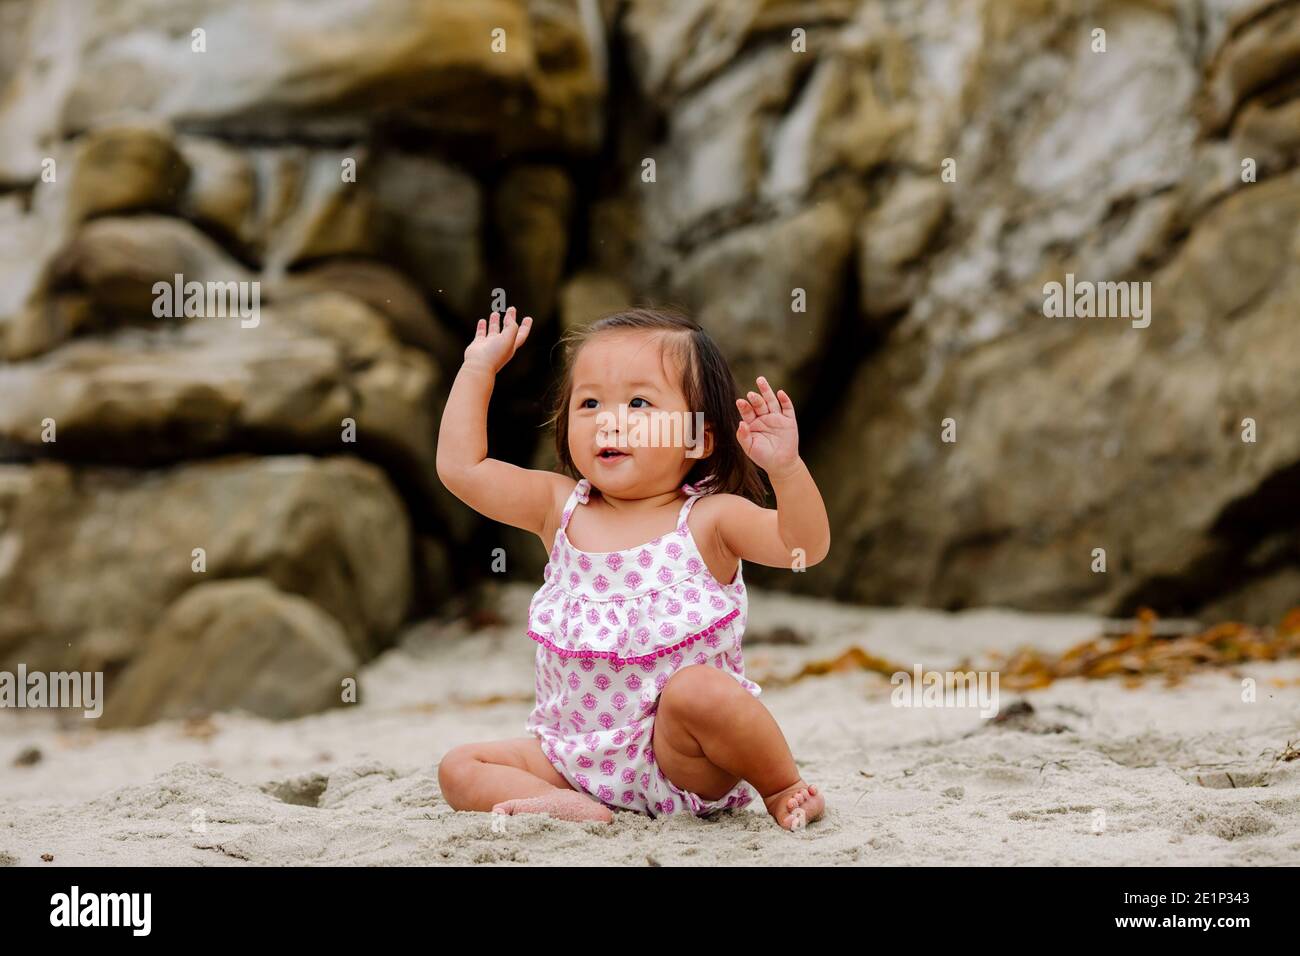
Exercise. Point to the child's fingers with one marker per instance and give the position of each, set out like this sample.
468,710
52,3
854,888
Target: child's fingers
509,322
494,323
481,331
746,411
742,435
787,406
760,406
524,328
768,395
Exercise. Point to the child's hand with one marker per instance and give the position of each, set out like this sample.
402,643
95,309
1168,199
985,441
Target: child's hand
768,432
495,343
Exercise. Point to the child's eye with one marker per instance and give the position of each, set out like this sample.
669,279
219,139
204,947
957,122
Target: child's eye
633,403
585,401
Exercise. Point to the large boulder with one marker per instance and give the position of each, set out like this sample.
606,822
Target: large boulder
511,74
127,168
1080,434
234,645
383,288
976,152
291,382
108,270
91,558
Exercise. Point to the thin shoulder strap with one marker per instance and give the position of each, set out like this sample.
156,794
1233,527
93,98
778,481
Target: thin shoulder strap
693,494
686,510
579,496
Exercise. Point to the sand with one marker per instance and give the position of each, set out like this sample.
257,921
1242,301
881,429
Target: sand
1098,774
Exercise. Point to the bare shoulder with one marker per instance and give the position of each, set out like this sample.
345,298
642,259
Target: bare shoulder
719,506
711,512
561,487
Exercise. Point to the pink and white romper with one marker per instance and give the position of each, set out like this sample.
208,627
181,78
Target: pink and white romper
611,629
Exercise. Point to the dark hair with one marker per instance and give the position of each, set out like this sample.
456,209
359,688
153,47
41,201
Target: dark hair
709,386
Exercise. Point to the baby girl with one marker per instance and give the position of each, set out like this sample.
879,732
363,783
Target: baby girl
644,577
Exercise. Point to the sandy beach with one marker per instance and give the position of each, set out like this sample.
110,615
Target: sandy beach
1093,772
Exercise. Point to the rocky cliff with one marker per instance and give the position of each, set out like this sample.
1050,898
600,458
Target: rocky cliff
864,201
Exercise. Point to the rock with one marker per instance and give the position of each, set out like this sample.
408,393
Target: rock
1269,134
308,69
429,216
115,262
894,237
710,169
147,396
839,121
1055,454
316,212
533,206
614,225
675,50
569,83
33,226
591,295
1127,131
1270,591
14,18
45,322
742,289
127,168
28,757
239,645
91,558
385,290
1261,52
222,192
437,579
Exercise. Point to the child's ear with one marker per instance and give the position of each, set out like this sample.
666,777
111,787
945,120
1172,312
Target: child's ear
702,449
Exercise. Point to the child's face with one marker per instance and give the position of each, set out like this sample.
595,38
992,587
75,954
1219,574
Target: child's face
648,443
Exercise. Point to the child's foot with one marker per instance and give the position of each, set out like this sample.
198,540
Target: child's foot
562,804
797,806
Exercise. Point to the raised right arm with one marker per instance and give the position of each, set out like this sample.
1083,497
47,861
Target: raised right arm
521,497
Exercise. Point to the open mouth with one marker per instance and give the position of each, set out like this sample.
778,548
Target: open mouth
611,454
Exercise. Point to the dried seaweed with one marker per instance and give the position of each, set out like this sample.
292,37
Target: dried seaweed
1147,648
1143,653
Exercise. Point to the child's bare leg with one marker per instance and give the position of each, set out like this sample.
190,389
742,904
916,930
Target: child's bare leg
710,733
512,776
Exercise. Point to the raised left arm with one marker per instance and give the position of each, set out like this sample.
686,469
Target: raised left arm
771,536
